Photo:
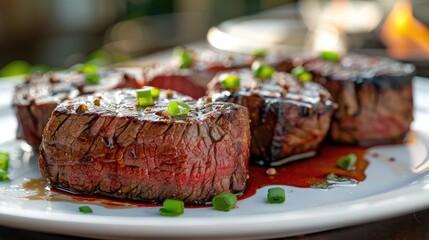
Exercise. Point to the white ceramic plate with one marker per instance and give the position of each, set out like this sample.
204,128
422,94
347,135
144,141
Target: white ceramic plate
391,189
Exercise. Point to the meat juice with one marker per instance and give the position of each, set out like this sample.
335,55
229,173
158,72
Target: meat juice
303,173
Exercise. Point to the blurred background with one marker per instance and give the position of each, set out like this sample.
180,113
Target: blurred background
61,33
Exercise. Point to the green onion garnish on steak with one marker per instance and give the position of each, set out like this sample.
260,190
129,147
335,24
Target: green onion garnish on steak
306,77
347,162
85,209
330,56
224,201
178,108
260,53
155,92
276,195
229,81
302,74
172,208
144,97
185,57
92,78
262,70
85,68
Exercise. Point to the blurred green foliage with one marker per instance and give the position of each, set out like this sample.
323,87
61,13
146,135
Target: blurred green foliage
15,68
97,58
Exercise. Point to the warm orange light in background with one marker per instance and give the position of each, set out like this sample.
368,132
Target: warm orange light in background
403,35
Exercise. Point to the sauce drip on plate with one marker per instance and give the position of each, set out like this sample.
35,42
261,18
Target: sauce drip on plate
308,172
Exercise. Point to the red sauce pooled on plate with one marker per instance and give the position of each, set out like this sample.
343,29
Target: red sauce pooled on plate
301,173
308,172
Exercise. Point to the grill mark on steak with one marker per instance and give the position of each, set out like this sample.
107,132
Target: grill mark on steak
374,96
276,117
35,100
133,127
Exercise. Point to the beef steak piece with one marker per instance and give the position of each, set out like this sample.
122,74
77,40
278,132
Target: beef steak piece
374,96
193,80
289,119
36,98
121,150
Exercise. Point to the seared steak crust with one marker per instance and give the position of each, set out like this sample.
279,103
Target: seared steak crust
374,96
35,99
121,150
289,119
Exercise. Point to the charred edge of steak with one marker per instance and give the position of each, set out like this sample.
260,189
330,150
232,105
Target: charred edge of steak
36,98
288,118
374,96
120,150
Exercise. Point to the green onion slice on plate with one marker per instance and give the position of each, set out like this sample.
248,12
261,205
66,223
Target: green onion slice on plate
85,209
276,195
172,208
224,201
4,166
347,162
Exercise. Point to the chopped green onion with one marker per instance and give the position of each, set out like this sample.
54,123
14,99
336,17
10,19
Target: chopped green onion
92,78
4,166
39,68
224,201
229,81
347,162
144,96
185,57
3,175
302,74
172,208
261,70
297,71
305,77
88,68
276,195
330,56
85,209
85,68
15,68
260,53
155,92
178,108
4,161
